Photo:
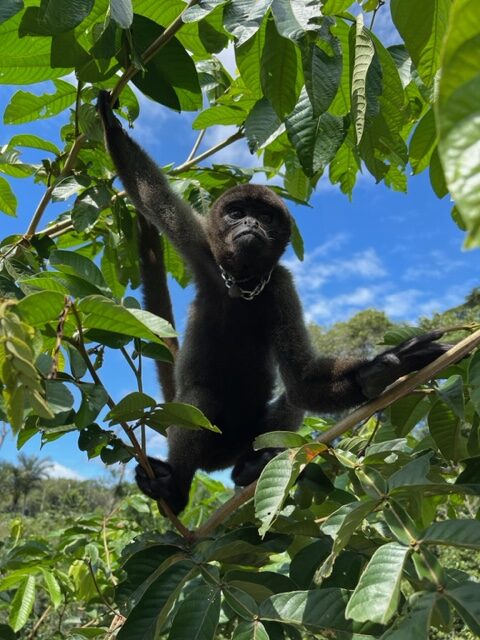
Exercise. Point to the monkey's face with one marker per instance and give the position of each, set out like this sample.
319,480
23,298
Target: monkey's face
249,228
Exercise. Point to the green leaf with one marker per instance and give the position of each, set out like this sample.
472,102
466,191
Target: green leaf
102,313
53,588
276,480
27,107
33,142
261,124
279,439
131,407
452,392
248,57
73,263
201,10
415,622
458,113
58,396
155,602
94,398
344,167
343,522
252,630
198,615
25,60
181,415
466,600
295,19
242,18
318,610
316,140
322,74
422,27
455,533
241,602
362,52
54,16
377,594
407,412
220,114
423,142
170,78
8,201
279,69
22,604
9,8
121,12
437,176
42,307
446,429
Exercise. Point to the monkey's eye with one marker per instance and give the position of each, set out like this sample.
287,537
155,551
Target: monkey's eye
265,217
235,214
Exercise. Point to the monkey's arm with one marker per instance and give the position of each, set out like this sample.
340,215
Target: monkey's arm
150,192
325,384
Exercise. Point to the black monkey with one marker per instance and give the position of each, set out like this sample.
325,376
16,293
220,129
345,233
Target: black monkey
244,323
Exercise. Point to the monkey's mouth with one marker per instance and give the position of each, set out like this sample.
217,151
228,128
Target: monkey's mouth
249,234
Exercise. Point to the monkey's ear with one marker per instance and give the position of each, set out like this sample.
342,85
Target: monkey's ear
105,110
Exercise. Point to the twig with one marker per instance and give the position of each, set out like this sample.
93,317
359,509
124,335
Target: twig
150,52
196,145
380,4
36,626
42,205
59,337
238,135
395,392
97,588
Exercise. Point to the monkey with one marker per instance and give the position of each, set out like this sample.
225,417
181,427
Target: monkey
245,324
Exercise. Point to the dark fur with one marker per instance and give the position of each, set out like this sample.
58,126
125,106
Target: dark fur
233,347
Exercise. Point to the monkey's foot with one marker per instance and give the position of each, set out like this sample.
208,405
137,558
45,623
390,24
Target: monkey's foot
163,487
251,465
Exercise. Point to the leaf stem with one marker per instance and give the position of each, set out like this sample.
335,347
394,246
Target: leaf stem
238,135
150,52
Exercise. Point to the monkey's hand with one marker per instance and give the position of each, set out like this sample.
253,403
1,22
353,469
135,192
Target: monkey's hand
390,365
163,486
106,112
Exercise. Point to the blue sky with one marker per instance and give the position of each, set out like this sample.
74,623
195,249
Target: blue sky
395,252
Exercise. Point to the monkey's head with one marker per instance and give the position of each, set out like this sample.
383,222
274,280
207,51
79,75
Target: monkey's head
249,228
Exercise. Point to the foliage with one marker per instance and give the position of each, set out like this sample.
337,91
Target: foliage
339,542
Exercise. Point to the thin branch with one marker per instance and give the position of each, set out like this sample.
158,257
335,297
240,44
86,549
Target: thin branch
238,135
57,228
398,390
97,588
380,4
37,625
59,337
42,205
198,141
150,52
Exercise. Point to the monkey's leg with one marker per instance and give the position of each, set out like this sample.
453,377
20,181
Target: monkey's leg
163,486
280,415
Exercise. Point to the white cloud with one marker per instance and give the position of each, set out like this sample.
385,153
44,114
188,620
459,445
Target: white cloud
58,470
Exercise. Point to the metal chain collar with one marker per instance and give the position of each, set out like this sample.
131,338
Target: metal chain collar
236,291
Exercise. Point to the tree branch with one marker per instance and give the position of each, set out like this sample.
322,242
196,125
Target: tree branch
238,135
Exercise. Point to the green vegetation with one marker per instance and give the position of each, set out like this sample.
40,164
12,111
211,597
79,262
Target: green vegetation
364,539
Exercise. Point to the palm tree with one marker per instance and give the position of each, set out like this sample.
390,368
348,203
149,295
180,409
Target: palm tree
27,475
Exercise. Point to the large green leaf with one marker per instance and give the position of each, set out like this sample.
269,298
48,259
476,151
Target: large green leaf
54,17
276,480
24,60
8,201
458,113
27,107
322,74
242,18
22,603
295,19
377,594
262,122
253,630
343,522
456,533
248,57
197,617
40,308
362,51
122,12
75,264
316,140
423,142
33,142
279,71
422,26
466,600
415,622
446,430
170,78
